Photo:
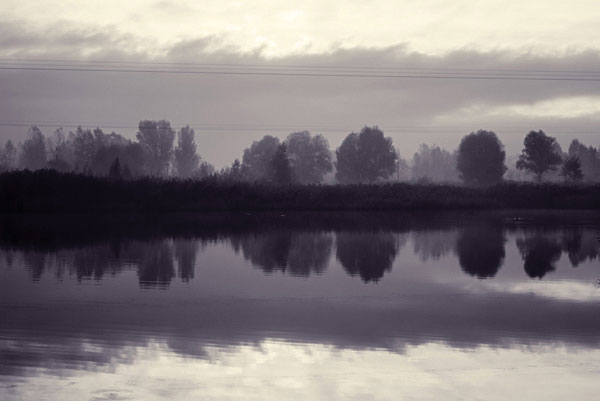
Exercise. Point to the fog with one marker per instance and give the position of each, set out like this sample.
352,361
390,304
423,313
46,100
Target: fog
229,112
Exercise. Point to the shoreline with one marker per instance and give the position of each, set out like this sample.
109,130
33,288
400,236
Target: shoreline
48,191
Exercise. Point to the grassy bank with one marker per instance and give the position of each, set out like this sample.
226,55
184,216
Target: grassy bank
50,191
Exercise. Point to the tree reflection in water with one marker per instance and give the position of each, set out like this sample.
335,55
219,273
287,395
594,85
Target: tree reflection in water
480,250
539,252
367,254
299,254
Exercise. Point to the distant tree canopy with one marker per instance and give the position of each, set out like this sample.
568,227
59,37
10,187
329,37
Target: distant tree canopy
93,152
58,165
480,158
540,154
8,156
365,157
156,137
432,163
114,171
256,162
186,158
131,156
280,171
33,150
571,169
589,158
309,156
84,148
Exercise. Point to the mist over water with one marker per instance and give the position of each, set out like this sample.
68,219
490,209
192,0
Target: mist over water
290,305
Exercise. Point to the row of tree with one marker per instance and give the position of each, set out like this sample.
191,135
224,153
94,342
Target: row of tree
96,153
364,157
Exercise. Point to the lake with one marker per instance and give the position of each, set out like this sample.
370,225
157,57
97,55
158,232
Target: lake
327,306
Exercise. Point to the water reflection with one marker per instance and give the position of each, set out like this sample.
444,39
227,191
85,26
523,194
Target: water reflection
540,253
296,253
434,244
368,255
580,245
480,250
134,305
185,254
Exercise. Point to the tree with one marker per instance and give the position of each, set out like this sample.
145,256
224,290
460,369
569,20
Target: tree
204,170
8,156
256,161
480,158
589,158
84,148
432,163
58,164
310,158
235,173
365,157
33,150
571,169
114,172
186,158
59,147
156,138
402,169
281,171
539,155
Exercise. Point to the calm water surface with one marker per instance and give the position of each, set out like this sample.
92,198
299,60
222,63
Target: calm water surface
321,307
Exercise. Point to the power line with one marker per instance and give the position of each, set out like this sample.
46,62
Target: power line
293,66
283,128
309,74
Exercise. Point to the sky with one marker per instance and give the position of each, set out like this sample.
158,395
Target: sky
450,42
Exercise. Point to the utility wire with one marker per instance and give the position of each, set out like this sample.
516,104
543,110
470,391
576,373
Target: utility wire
309,74
279,128
295,66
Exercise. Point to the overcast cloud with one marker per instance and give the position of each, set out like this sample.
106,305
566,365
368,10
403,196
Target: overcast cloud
231,111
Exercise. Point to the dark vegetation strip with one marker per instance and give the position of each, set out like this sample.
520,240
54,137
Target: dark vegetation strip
47,191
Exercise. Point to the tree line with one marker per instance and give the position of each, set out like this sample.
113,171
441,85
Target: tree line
367,156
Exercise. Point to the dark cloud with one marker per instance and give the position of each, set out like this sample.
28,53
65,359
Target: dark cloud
330,105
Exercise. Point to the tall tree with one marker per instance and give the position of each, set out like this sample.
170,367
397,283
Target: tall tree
186,158
589,158
33,150
571,169
480,158
365,157
8,156
281,171
256,162
156,137
59,147
310,157
84,148
114,172
539,155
